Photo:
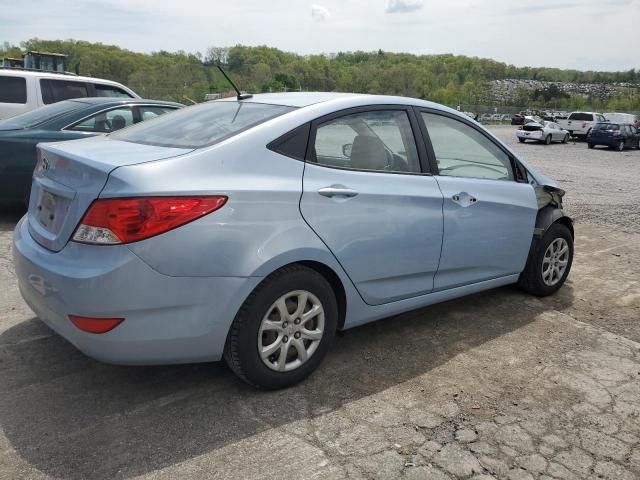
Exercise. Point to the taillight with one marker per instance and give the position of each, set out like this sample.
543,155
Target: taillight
110,221
95,325
584,125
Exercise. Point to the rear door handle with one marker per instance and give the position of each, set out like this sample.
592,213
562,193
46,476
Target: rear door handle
337,191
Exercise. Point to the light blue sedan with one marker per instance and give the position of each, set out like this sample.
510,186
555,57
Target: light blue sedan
252,229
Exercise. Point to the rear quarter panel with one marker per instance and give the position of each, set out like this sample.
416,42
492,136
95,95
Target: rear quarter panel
258,230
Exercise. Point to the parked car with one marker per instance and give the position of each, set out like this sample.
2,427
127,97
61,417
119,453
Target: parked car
543,131
579,124
25,90
67,120
621,118
517,119
614,135
254,229
486,117
496,117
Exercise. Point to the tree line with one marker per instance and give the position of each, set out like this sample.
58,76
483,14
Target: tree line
449,79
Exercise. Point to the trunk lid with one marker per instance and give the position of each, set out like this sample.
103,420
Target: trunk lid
70,175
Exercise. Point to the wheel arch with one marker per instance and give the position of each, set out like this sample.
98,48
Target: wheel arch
336,285
322,263
549,215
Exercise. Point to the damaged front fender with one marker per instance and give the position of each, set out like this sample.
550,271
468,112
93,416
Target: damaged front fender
549,198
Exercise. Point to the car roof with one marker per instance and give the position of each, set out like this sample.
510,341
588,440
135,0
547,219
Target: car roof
337,99
18,72
122,101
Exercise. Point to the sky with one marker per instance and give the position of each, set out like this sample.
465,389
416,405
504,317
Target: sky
581,34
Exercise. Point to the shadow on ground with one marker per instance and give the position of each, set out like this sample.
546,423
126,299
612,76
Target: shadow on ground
71,417
9,216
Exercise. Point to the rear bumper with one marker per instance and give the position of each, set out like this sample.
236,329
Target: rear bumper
530,135
609,142
167,319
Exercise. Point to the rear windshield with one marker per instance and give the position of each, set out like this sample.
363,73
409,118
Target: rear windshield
201,125
606,126
40,115
585,117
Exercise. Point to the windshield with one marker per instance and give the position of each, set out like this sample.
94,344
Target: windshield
40,115
201,125
606,126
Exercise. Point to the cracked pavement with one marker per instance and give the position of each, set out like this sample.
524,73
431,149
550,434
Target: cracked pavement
497,385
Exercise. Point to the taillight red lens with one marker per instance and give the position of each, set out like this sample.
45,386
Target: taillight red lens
123,220
95,325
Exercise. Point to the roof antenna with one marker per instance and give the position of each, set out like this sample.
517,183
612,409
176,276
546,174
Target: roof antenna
240,96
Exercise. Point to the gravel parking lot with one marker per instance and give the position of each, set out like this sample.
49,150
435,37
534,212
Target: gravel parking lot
497,385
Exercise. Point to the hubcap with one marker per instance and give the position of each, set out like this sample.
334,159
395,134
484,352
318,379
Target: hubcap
555,261
291,331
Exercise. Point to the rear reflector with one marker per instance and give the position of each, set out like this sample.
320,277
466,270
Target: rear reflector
95,325
110,221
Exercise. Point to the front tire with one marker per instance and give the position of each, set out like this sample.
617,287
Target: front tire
284,329
549,262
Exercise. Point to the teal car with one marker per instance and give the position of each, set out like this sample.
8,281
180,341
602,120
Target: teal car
67,120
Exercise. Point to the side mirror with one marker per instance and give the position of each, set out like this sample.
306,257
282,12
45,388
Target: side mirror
346,149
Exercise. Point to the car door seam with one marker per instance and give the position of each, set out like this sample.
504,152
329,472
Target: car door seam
320,238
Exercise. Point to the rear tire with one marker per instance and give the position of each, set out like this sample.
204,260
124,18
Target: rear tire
547,269
590,145
566,138
547,140
261,323
521,140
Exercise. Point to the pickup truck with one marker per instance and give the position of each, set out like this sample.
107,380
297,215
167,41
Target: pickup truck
579,124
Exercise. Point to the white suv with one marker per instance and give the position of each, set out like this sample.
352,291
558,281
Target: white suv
580,124
25,90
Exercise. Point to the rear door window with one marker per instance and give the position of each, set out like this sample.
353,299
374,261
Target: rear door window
54,90
378,140
13,89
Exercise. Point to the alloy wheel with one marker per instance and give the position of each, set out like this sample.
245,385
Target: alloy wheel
291,331
555,261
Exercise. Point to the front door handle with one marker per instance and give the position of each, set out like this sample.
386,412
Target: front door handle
337,191
464,199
